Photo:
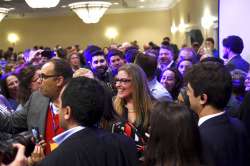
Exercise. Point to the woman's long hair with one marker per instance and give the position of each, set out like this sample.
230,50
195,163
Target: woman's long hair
25,78
174,137
4,86
178,82
141,95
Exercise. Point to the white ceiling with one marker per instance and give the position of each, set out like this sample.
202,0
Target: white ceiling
21,9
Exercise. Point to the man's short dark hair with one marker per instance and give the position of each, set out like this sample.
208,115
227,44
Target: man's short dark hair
85,98
91,51
147,63
115,52
62,68
210,39
234,43
212,79
167,47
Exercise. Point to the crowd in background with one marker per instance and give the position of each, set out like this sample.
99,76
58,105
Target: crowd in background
156,95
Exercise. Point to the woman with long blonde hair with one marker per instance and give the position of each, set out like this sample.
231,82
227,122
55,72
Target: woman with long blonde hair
133,104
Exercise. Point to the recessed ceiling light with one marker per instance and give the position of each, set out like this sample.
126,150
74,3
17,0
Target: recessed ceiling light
142,0
141,7
12,8
116,3
63,6
7,0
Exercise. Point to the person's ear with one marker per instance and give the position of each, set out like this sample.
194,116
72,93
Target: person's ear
203,99
67,113
60,81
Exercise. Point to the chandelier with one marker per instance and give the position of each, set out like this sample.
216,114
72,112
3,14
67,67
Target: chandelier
3,13
90,11
42,3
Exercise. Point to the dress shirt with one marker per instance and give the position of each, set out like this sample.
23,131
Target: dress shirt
63,136
205,118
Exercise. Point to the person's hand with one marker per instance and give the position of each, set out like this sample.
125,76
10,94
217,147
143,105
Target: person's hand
38,154
20,159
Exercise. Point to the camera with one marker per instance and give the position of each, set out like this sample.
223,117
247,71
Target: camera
28,139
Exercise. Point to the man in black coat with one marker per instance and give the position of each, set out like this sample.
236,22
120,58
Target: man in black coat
232,48
81,107
224,139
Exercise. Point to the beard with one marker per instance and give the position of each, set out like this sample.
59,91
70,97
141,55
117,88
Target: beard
100,71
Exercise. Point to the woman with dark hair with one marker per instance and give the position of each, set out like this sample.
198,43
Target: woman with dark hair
10,88
172,80
29,82
183,65
174,137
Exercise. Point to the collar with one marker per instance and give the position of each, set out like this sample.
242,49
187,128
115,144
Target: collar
53,108
228,60
152,82
205,118
63,136
170,64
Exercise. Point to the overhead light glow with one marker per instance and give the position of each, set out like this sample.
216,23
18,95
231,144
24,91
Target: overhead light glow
3,13
111,33
174,29
207,20
90,11
13,38
42,3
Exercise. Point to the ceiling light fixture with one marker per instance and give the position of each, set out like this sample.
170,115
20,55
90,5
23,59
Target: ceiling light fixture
42,3
90,11
3,13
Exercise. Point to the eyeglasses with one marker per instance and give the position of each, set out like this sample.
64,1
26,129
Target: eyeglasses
122,80
44,76
36,79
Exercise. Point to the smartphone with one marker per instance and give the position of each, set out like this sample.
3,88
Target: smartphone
36,134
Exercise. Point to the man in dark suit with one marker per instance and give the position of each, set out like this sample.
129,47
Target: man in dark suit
244,111
224,139
233,46
41,109
81,108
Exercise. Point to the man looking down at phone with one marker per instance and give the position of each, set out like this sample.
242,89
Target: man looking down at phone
82,143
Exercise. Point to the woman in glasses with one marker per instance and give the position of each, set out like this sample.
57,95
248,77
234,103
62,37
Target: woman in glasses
133,104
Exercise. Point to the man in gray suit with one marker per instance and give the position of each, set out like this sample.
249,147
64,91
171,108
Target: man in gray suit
41,109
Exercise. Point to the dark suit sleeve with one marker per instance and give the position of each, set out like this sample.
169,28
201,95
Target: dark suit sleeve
245,112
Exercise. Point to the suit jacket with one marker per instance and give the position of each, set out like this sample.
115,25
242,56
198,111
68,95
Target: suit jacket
224,142
93,147
244,111
238,62
33,114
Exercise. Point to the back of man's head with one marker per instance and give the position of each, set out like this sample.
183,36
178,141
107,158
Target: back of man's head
84,96
212,79
234,43
147,63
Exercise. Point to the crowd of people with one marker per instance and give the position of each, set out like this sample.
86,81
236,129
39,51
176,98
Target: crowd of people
123,105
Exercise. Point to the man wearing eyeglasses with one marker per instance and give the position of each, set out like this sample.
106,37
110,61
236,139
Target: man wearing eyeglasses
41,110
